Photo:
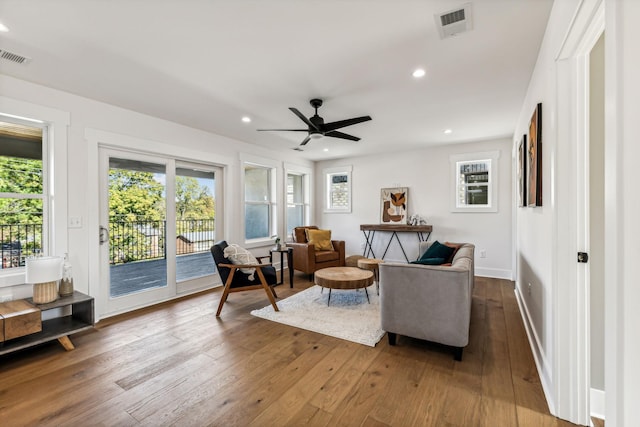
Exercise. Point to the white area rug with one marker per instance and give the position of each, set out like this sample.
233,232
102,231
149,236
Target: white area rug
348,316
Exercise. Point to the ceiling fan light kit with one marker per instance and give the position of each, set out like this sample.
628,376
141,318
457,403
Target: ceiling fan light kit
317,128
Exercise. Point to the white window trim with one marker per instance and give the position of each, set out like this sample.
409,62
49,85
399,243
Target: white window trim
291,169
57,122
273,225
492,157
327,173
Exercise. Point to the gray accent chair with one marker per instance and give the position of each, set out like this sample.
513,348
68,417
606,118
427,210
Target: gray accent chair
429,302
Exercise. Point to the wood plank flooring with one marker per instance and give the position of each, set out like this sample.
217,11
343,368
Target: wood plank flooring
177,364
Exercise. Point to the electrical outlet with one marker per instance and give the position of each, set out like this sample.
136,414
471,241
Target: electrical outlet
483,253
529,289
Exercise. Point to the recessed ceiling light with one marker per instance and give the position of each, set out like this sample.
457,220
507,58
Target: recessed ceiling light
246,119
419,72
448,131
3,28
325,150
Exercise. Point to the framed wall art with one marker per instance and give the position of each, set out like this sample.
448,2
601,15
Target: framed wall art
393,205
534,159
522,172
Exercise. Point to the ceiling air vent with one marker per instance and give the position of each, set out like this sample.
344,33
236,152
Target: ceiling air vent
14,57
454,21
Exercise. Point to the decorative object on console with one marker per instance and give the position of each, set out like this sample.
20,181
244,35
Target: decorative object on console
66,284
416,219
393,204
44,273
534,159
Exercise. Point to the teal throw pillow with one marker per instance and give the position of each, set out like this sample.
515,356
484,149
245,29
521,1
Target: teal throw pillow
429,261
438,250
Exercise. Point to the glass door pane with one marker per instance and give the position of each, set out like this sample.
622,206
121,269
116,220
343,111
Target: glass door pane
137,226
195,222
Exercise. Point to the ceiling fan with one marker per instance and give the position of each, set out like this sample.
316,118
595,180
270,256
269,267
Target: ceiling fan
317,128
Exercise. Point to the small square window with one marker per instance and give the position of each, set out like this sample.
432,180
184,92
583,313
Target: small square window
474,179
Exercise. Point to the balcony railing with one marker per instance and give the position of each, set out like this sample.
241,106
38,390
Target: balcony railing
129,241
18,241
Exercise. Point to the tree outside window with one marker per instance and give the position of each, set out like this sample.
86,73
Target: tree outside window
338,189
22,192
474,182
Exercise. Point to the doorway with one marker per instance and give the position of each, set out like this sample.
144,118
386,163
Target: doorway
157,223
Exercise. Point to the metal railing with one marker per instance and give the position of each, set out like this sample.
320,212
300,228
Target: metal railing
17,242
129,241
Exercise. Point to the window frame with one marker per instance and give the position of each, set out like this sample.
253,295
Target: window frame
305,173
456,162
328,174
54,158
271,203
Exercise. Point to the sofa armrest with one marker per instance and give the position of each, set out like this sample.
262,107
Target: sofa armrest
303,255
339,246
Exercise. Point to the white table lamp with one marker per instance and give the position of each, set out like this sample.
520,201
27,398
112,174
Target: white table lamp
44,273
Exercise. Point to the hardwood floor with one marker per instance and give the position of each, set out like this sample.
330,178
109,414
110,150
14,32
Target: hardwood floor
177,364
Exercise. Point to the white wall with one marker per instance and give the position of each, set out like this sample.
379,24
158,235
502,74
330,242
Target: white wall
426,173
159,136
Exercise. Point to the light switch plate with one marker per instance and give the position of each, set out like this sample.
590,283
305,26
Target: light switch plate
75,222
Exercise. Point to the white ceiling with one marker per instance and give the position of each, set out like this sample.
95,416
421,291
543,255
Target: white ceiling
207,63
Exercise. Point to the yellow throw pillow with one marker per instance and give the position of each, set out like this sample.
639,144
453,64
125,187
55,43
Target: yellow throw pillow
321,239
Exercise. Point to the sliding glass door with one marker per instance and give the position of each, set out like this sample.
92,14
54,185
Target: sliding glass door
157,225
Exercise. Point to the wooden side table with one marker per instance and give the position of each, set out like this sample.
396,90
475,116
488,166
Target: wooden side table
371,264
283,250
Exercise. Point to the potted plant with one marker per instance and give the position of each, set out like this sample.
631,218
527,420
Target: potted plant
277,247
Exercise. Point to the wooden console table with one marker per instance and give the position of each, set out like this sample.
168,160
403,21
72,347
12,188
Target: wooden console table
79,318
369,231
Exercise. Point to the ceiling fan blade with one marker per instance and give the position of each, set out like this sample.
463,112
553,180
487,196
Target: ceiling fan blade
343,123
303,118
287,130
336,134
307,139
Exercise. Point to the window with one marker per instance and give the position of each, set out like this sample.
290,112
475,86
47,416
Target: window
338,189
23,186
259,200
297,201
474,182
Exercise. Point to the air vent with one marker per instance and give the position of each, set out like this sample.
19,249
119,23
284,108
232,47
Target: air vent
14,57
454,22
298,149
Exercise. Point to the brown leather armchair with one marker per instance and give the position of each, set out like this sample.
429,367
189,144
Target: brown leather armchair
307,259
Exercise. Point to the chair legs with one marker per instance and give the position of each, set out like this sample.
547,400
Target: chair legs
271,293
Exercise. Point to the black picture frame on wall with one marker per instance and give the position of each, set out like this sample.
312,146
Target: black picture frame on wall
534,159
522,172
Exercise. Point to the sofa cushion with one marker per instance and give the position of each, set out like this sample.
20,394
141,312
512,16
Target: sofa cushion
455,247
438,250
326,256
429,261
300,233
320,239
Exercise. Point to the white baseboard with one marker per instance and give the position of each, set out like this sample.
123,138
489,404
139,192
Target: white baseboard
538,353
596,398
495,273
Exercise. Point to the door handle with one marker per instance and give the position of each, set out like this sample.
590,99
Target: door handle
103,235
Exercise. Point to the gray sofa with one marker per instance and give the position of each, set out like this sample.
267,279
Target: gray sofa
429,302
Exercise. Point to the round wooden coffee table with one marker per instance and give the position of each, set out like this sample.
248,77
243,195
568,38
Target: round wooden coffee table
343,278
372,265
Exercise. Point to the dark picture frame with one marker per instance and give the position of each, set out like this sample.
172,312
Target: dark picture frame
534,159
522,172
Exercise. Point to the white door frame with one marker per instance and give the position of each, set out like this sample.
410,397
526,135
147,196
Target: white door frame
571,358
